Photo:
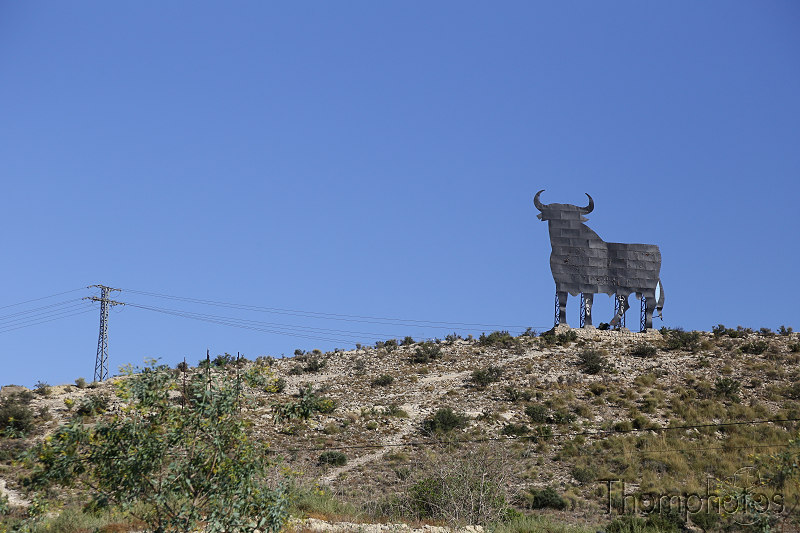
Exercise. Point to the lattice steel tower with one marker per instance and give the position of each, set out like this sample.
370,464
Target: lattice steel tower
101,363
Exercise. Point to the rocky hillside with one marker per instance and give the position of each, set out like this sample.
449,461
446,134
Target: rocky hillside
545,418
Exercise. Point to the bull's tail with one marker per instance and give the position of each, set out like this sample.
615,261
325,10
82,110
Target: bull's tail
660,302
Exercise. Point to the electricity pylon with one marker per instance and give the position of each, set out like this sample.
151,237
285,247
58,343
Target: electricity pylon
101,363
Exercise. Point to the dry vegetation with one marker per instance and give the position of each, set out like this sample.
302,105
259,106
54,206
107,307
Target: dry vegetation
513,433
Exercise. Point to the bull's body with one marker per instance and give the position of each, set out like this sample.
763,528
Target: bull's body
581,262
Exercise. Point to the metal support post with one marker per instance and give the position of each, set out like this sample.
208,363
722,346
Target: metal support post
557,320
582,319
101,361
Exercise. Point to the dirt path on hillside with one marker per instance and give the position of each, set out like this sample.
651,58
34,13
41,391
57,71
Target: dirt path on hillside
15,499
413,408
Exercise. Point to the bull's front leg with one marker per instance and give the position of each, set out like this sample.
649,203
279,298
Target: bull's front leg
562,307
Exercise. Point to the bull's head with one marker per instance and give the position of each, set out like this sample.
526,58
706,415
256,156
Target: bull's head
562,211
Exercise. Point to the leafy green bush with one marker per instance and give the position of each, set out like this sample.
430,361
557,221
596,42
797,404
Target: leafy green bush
332,457
308,404
795,347
444,420
516,430
43,388
643,349
426,352
171,466
537,413
315,364
592,361
585,473
383,380
784,331
550,337
738,333
677,339
459,489
80,383
388,345
545,498
92,405
499,339
408,341
481,378
261,377
223,360
727,388
755,347
514,394
16,418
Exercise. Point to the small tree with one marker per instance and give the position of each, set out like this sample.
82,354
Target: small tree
173,467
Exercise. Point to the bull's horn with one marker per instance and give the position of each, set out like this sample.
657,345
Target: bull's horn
589,208
539,205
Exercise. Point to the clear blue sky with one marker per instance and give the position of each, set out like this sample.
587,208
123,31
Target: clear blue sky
380,159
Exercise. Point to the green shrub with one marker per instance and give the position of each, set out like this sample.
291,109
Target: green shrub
592,361
426,352
544,499
550,337
727,388
315,364
677,339
794,348
43,388
499,339
92,405
738,333
308,404
537,413
784,331
389,345
643,349
514,394
408,341
481,378
755,347
561,417
16,418
604,326
383,380
80,383
584,473
516,430
142,459
332,457
444,420
223,360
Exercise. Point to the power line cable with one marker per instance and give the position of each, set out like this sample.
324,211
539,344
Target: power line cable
39,311
433,324
244,326
245,321
50,319
43,297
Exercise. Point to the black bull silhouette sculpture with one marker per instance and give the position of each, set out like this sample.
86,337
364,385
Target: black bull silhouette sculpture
582,262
